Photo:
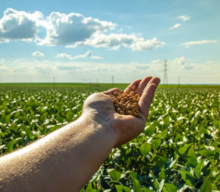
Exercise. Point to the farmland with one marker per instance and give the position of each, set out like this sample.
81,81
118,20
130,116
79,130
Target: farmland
179,149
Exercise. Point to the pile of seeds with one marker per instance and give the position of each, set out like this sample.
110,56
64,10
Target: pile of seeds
126,103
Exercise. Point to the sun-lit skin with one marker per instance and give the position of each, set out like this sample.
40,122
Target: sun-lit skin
67,158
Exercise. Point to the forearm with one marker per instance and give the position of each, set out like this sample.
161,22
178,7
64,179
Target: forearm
62,161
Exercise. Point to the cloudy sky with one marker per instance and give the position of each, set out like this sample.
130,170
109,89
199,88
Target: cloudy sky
75,40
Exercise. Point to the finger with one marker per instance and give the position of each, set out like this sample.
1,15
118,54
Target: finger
135,83
143,84
111,91
147,97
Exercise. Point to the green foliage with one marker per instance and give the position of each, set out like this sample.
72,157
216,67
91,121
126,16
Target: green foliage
177,151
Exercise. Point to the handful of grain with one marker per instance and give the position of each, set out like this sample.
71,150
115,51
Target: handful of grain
126,103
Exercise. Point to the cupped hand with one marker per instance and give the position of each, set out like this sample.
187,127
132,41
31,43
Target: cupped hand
126,127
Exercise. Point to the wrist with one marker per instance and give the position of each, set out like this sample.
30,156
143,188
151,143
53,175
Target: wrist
99,124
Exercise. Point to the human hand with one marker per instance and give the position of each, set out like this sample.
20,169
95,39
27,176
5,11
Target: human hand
125,127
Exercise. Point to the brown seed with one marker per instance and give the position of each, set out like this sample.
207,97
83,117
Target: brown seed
129,106
134,99
130,113
116,93
115,101
135,104
127,92
132,93
122,112
133,88
126,103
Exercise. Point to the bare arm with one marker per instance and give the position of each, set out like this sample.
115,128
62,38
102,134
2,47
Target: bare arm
66,159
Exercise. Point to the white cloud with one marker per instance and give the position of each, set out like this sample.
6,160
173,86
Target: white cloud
73,27
179,61
37,54
147,45
208,62
2,61
87,54
115,41
63,55
189,66
185,64
67,67
199,42
44,68
158,61
19,25
76,71
175,26
184,17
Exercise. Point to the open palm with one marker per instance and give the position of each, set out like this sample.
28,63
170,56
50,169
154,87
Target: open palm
126,127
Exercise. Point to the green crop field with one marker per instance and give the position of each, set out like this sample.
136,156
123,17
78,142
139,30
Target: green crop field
179,149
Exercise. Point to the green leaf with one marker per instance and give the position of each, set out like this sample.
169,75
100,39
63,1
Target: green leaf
2,147
183,150
145,190
90,188
136,185
188,178
115,174
150,130
145,148
133,175
217,124
162,174
156,142
161,185
206,153
168,187
120,188
198,168
160,160
192,156
203,130
10,146
161,135
207,184
69,116
156,184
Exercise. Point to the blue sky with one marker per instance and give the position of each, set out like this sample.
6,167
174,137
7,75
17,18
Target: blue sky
76,40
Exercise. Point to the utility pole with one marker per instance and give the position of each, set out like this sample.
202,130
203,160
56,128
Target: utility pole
112,80
165,77
179,82
53,82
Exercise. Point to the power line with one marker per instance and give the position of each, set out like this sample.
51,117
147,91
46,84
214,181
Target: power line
165,76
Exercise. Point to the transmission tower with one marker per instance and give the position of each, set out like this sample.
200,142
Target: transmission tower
165,77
